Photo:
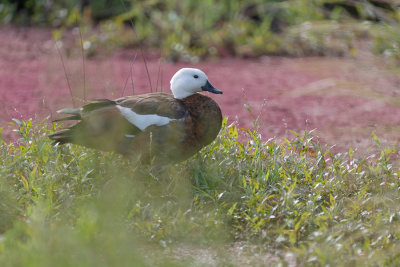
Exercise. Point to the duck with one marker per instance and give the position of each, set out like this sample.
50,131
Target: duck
153,127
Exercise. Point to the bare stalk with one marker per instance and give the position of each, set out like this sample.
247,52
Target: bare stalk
65,73
158,73
131,76
83,66
141,48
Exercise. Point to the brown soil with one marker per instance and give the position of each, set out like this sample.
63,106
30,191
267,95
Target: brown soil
344,99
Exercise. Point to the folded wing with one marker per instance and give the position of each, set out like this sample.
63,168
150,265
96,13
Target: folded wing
128,125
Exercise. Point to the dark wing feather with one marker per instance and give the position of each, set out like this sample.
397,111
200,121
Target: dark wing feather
98,104
160,104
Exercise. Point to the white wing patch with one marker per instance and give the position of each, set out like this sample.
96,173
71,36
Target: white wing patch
143,121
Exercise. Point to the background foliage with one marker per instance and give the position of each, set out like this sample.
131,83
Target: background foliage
191,30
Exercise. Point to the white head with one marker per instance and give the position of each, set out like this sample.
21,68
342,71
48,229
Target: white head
188,81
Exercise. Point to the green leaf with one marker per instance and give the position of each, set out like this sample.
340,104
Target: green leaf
247,107
376,139
232,209
18,122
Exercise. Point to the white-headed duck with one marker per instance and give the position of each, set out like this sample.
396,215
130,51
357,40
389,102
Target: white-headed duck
155,126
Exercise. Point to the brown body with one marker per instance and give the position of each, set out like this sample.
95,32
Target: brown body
195,123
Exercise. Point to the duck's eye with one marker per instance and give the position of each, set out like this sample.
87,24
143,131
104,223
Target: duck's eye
195,76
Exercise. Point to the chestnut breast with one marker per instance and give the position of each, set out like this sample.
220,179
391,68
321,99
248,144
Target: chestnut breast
202,123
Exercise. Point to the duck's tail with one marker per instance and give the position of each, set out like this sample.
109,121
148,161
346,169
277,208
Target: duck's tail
65,136
75,114
62,137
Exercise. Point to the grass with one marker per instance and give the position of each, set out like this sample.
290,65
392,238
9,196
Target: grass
72,206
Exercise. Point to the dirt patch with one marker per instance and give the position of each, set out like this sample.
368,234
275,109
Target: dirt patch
344,99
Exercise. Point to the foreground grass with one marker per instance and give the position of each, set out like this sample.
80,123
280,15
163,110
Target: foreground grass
71,206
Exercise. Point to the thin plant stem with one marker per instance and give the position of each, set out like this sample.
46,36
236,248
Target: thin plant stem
65,72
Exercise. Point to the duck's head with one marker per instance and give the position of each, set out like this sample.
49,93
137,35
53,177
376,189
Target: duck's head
188,81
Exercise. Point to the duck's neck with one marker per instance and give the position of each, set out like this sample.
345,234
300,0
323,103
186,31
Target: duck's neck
181,94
